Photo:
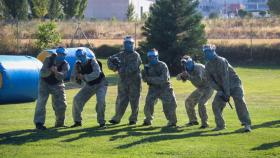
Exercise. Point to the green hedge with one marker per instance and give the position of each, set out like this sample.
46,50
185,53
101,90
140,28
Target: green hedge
241,54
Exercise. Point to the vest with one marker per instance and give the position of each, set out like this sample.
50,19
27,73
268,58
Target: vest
51,79
87,69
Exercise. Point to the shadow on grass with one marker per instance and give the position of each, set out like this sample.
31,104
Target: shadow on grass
159,136
32,135
29,135
267,146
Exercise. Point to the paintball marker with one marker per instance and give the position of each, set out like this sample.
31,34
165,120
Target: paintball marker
222,89
79,71
116,62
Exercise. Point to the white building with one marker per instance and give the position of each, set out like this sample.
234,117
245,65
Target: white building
107,9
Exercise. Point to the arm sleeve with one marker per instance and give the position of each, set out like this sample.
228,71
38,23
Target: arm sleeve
225,77
45,71
211,82
95,72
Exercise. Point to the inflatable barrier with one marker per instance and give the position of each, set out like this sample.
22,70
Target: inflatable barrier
70,57
19,77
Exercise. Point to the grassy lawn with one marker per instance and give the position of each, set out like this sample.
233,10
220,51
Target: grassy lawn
262,91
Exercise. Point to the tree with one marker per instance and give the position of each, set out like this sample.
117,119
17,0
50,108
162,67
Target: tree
274,6
144,16
174,28
213,15
2,9
47,36
70,7
39,8
262,13
130,14
55,9
242,13
18,9
82,7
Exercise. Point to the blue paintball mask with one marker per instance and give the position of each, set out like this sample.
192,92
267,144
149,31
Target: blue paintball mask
153,57
209,52
81,55
61,54
189,65
128,44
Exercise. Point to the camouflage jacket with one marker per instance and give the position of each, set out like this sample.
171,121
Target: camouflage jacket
197,76
221,75
129,65
157,75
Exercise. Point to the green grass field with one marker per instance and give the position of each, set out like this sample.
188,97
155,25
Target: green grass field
262,91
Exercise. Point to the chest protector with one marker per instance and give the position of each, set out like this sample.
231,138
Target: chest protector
87,69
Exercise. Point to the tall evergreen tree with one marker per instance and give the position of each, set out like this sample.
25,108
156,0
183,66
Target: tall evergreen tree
2,9
70,7
274,6
55,9
40,8
130,14
18,9
174,28
82,7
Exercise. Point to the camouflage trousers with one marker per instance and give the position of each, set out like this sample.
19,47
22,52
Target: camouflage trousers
218,106
199,96
84,95
58,102
128,92
167,96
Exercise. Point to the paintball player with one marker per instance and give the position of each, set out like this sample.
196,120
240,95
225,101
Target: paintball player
90,71
156,75
127,64
226,82
195,73
53,72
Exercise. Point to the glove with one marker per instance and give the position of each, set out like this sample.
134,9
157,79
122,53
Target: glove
223,96
178,77
183,76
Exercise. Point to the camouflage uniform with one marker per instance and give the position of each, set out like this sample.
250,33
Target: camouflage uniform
157,77
54,85
199,96
95,84
129,84
219,71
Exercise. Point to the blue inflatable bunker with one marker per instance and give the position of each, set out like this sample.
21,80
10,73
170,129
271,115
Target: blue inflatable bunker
70,57
19,78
